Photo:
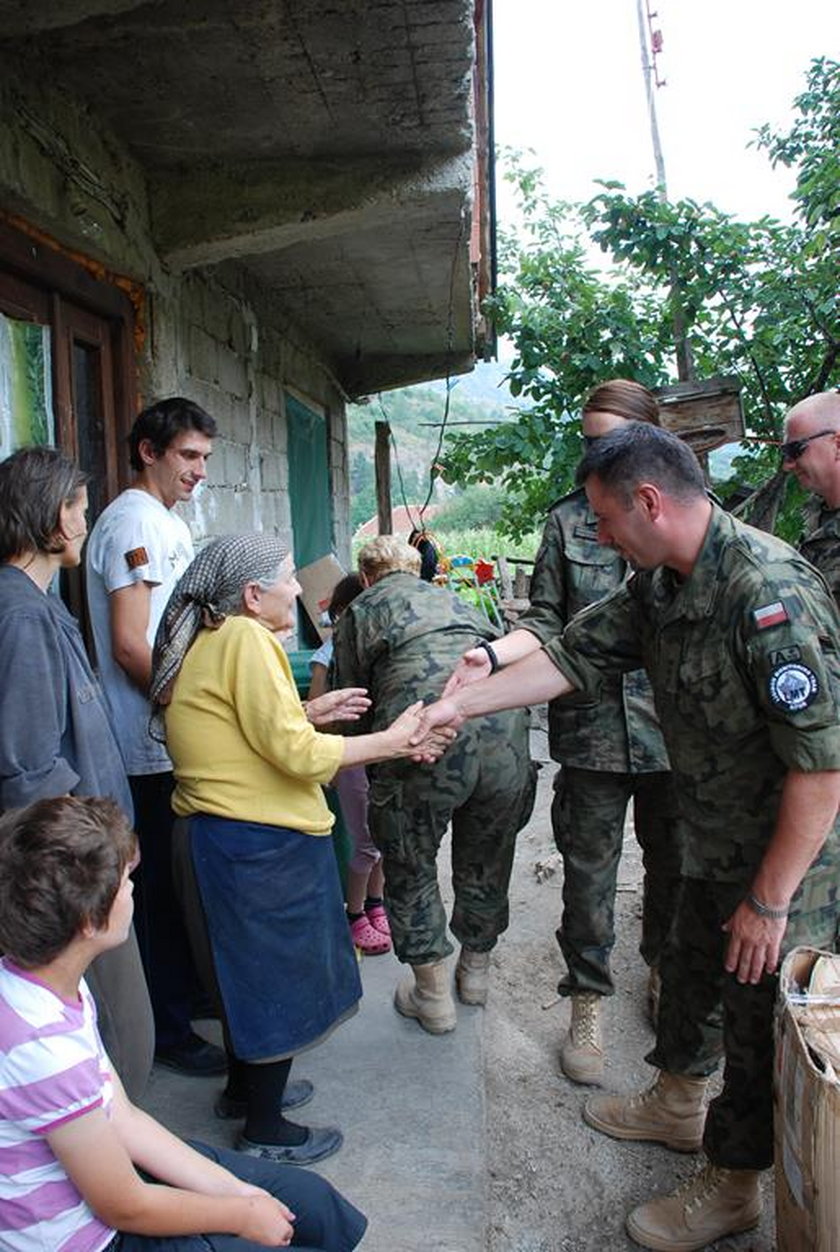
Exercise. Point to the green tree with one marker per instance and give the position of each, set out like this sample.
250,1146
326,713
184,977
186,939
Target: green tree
759,300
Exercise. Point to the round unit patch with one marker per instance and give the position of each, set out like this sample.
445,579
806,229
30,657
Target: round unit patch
793,687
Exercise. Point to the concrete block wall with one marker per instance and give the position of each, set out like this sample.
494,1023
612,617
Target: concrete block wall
215,334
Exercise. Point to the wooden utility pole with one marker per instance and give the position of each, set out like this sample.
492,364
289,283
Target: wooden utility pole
382,466
685,361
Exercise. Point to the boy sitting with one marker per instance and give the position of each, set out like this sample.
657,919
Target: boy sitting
71,1142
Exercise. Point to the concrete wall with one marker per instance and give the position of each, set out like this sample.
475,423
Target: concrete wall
215,335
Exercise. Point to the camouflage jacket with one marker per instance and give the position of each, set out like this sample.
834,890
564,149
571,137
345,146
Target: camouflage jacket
401,638
744,660
821,543
619,733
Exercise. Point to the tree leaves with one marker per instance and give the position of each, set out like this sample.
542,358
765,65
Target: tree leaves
759,300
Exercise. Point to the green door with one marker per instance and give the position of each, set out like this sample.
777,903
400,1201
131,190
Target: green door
309,492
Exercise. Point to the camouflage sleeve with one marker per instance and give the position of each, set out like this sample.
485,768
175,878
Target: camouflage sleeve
791,657
823,552
349,668
605,637
546,615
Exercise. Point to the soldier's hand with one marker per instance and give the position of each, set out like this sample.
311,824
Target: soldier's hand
754,944
472,666
413,736
441,714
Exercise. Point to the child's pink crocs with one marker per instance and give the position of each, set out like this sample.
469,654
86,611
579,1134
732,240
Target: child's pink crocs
369,940
378,919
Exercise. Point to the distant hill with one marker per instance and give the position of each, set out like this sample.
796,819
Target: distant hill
415,415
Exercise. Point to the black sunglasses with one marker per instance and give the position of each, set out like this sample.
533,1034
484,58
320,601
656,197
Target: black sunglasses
793,451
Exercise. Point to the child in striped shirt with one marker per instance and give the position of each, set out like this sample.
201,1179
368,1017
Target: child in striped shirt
71,1142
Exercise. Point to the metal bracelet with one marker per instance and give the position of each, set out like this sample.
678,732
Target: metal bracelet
491,652
764,910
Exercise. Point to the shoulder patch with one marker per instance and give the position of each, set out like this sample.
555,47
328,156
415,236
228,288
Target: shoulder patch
770,615
136,557
793,686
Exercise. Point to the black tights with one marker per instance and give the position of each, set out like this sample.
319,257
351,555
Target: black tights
263,1090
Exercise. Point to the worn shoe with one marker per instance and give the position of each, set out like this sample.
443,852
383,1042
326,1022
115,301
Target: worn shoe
320,1142
714,1203
427,998
369,940
378,919
582,1052
297,1093
671,1111
472,976
195,1056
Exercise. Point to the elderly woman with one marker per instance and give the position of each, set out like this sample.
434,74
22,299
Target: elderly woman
248,769
55,736
401,638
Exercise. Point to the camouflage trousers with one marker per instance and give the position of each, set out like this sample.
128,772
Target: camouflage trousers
484,785
705,1013
587,815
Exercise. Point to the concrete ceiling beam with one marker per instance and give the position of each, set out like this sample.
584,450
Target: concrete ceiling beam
206,216
20,18
370,374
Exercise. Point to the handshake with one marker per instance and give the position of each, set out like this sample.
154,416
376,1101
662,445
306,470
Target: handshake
445,717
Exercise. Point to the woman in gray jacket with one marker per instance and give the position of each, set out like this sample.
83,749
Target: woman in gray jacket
55,737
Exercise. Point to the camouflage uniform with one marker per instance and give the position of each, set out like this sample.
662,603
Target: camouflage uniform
611,751
401,639
744,660
820,543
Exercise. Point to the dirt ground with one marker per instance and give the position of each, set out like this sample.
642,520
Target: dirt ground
555,1185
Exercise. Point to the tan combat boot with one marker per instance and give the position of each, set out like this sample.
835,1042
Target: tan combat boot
427,998
671,1111
582,1053
714,1203
472,975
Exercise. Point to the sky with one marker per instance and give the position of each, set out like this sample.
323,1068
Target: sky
569,84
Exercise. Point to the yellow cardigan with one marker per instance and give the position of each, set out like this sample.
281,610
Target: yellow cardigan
237,733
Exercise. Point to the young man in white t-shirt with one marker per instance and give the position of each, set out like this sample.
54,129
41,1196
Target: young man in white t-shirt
71,1142
137,551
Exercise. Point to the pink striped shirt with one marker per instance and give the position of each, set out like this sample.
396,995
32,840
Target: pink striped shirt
53,1068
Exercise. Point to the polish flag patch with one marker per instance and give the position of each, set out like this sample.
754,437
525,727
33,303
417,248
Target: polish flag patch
770,615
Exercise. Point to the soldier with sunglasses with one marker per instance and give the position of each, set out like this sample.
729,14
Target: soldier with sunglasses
811,452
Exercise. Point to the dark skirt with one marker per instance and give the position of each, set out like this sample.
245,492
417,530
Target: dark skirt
283,957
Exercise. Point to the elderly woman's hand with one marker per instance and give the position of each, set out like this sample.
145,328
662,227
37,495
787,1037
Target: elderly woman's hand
347,704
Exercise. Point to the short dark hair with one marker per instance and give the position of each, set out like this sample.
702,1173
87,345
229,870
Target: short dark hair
344,593
34,484
638,452
61,864
162,421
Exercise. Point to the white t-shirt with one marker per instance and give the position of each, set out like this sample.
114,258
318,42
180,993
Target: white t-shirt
136,539
323,655
53,1069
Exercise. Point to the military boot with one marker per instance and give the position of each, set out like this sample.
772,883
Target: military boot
427,998
714,1203
472,975
671,1111
582,1053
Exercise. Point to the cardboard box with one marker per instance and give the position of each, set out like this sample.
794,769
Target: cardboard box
317,581
807,1102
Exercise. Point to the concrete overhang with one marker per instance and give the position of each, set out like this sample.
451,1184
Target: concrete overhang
326,145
